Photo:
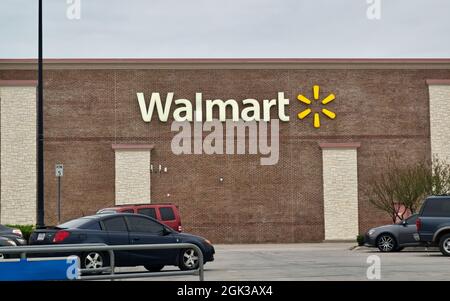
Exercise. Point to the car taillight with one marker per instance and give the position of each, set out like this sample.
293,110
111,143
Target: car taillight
418,224
61,236
17,232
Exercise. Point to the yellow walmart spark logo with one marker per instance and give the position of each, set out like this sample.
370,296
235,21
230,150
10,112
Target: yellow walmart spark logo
326,100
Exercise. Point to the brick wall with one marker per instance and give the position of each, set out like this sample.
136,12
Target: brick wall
86,111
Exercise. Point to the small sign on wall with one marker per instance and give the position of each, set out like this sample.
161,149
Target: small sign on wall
59,170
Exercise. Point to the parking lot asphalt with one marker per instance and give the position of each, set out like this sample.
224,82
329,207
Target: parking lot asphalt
316,261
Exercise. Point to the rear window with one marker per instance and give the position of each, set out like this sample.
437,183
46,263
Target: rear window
437,207
148,211
76,223
167,213
115,224
91,226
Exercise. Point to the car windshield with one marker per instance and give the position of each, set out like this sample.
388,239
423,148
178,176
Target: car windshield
76,223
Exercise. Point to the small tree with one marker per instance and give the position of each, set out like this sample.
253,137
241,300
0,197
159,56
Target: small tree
411,186
381,193
438,180
406,187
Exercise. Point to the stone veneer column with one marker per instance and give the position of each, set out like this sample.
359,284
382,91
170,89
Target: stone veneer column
340,190
439,91
18,152
132,173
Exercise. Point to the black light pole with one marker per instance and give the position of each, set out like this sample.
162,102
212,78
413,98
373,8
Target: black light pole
40,129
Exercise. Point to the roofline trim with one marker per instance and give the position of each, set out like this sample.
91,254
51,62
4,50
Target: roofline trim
225,63
227,60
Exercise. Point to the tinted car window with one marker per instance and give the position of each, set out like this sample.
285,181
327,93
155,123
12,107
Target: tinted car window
437,207
127,211
144,225
76,223
92,226
115,224
412,219
167,213
148,211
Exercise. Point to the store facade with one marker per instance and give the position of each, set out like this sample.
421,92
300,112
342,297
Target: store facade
110,123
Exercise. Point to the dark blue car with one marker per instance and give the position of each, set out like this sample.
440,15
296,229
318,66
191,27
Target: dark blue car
124,229
433,223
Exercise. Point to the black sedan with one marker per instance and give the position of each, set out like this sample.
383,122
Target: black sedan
10,237
395,237
124,229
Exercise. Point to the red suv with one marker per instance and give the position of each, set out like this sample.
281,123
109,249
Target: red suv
167,214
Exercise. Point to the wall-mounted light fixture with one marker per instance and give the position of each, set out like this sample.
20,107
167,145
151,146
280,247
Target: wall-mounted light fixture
221,179
158,169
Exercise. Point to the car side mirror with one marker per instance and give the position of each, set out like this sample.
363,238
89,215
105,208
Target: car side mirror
404,223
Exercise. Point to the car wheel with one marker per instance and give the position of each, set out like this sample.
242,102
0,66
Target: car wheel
386,243
188,260
154,268
2,256
93,260
444,245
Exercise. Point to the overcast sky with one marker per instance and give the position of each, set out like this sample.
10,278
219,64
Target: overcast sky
226,28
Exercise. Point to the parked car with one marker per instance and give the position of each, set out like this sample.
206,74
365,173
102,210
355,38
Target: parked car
433,223
168,214
15,235
125,229
10,237
395,237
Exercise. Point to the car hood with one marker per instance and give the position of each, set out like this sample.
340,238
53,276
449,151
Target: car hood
385,228
186,237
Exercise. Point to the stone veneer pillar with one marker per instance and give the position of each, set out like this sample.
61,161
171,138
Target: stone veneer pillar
439,91
18,151
340,190
132,179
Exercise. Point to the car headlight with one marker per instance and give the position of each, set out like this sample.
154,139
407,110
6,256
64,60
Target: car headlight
371,232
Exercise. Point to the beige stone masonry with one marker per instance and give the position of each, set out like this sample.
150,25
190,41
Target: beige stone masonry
132,175
340,189
440,119
18,154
